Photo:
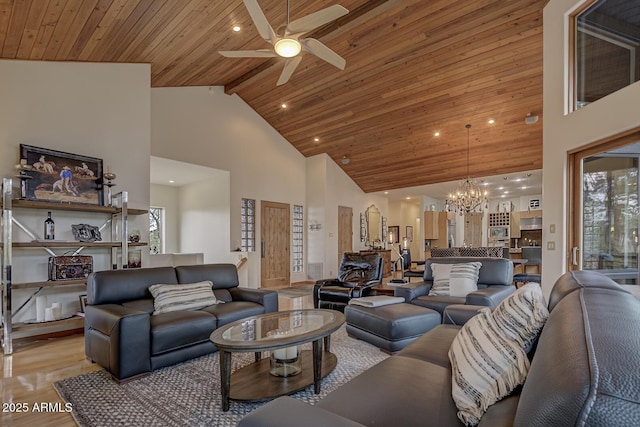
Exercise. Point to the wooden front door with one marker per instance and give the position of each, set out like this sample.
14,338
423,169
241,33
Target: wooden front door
275,230
345,231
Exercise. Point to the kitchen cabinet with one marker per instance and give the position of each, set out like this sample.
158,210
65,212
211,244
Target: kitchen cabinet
531,214
442,241
514,225
431,229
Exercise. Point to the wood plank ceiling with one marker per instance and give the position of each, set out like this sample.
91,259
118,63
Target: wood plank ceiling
414,67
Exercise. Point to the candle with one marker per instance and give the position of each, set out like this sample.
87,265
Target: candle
56,308
41,305
286,353
48,314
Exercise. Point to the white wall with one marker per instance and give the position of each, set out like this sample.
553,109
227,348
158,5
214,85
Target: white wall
206,127
166,196
97,110
205,218
563,132
330,187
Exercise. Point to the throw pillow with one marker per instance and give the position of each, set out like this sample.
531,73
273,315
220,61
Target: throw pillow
485,367
441,276
456,280
464,278
522,314
190,296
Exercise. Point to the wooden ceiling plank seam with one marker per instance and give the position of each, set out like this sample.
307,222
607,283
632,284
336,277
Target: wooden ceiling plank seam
32,25
6,7
118,18
192,58
143,12
83,37
170,40
48,27
17,20
146,35
61,30
85,11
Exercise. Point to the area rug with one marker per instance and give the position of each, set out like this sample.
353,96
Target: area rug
189,394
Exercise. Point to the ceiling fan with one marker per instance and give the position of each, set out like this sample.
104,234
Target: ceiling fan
289,44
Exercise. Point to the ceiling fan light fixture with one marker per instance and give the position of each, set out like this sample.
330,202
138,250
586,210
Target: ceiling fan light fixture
287,48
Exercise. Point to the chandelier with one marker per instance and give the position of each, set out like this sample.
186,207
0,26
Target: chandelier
468,198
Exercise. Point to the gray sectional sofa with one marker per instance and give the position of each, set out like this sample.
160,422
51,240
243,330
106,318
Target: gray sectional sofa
584,372
123,336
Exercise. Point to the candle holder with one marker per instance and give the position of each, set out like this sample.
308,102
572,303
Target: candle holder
23,167
284,362
109,177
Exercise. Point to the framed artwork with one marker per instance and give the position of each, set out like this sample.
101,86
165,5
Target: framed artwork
83,302
62,177
394,234
409,233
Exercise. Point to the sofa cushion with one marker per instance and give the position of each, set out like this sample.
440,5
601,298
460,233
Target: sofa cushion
438,303
178,329
234,310
189,296
399,391
455,280
433,346
485,365
522,315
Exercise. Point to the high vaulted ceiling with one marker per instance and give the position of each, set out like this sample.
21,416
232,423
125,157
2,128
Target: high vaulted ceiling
414,67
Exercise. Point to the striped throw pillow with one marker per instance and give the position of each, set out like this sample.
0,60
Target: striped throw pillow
190,296
456,280
485,367
522,314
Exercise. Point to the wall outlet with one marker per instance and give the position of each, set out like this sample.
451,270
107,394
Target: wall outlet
551,246
552,228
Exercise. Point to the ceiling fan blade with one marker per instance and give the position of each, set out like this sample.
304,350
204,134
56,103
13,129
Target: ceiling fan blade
316,19
320,50
261,53
262,25
289,67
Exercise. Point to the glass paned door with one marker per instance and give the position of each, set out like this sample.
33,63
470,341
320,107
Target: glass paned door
609,205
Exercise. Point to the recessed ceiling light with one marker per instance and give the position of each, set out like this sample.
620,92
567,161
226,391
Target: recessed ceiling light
524,187
236,28
283,105
485,183
491,121
436,134
518,179
500,188
503,196
316,139
386,192
408,197
506,192
171,181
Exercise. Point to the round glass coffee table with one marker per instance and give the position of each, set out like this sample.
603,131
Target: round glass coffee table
288,369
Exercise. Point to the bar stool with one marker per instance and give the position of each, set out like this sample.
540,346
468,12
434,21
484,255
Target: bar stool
522,278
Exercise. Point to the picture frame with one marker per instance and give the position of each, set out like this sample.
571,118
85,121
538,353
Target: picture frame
57,176
394,233
409,233
83,302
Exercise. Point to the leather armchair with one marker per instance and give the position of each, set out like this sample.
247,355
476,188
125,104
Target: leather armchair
356,276
494,284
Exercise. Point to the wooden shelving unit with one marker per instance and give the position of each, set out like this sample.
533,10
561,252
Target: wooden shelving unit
119,244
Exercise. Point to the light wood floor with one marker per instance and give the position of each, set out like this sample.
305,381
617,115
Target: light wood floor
29,374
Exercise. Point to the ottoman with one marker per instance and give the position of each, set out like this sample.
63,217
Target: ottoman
390,327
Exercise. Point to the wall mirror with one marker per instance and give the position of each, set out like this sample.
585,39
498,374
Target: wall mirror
373,227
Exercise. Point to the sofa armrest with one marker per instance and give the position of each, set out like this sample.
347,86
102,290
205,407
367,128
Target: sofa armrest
490,296
459,314
119,339
289,412
268,299
412,291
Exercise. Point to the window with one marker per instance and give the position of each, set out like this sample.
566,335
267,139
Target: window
156,230
607,49
247,225
298,231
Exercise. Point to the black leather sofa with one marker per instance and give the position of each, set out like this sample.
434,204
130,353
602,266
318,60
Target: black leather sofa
584,372
494,284
122,335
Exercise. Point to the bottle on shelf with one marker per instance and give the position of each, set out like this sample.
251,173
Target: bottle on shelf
49,228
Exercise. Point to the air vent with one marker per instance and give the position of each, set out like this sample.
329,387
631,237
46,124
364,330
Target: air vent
315,270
